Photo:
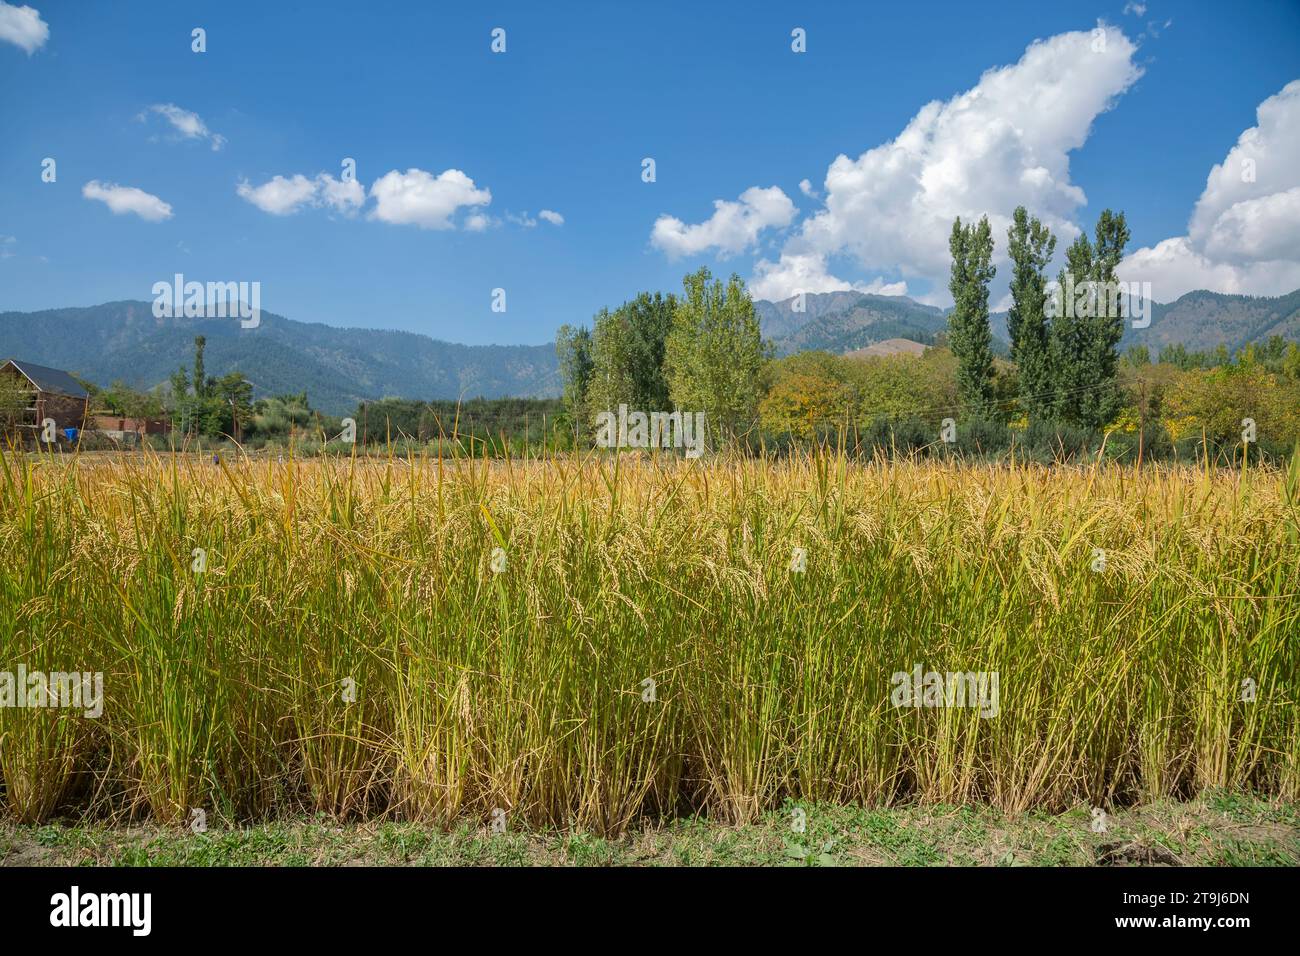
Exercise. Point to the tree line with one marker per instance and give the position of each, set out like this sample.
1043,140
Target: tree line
700,351
1064,390
1066,357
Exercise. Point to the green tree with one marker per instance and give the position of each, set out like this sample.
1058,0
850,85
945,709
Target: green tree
179,403
1137,356
969,335
123,400
1087,324
627,352
1099,406
1291,362
200,381
279,415
714,353
651,319
1030,245
612,379
573,350
1074,300
233,395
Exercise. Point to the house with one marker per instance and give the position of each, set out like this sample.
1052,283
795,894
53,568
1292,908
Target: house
54,396
121,428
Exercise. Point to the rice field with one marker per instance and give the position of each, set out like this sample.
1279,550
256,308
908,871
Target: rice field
591,642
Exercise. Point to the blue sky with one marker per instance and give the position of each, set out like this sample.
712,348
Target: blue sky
562,120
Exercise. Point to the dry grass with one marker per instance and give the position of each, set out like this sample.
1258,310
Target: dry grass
524,690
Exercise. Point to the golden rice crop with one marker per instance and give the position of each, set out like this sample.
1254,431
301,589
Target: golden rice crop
640,644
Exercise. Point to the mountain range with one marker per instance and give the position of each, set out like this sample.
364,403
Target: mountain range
340,367
1202,321
844,322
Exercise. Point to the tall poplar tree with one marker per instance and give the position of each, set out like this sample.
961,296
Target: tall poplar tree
1030,245
200,379
1107,325
1087,323
969,335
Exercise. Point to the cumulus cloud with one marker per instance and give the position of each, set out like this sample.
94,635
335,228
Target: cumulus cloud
421,199
808,273
733,227
551,216
477,222
1005,142
279,196
187,124
341,195
282,196
23,27
1244,232
124,199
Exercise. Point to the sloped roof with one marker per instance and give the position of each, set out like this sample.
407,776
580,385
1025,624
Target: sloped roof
49,379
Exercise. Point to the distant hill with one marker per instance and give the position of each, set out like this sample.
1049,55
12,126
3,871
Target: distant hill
1203,321
844,321
889,347
338,367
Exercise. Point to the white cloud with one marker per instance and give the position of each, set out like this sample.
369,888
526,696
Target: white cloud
279,196
282,196
422,199
806,187
7,244
341,195
188,124
807,273
23,27
1174,267
1244,233
521,219
733,227
1250,230
1005,142
477,222
551,216
124,199
1137,9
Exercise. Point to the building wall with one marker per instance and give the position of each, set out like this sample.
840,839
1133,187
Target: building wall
119,423
67,412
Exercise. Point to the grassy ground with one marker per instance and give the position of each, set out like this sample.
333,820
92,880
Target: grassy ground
1215,830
